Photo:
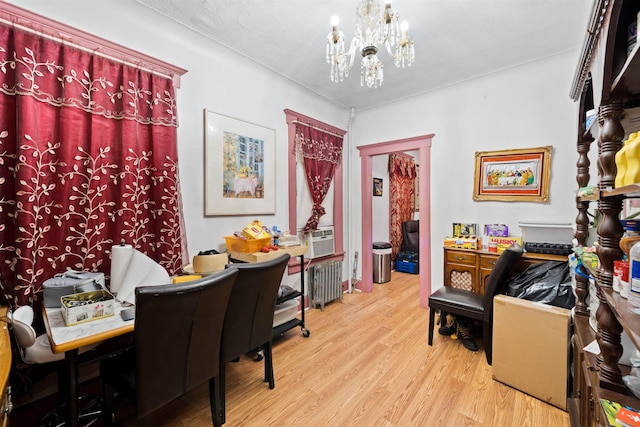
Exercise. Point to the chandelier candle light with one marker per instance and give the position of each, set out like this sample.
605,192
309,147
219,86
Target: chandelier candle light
375,25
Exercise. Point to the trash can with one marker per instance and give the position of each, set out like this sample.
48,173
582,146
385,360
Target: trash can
381,262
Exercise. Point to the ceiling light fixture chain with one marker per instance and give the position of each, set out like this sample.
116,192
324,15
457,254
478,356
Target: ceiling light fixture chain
375,25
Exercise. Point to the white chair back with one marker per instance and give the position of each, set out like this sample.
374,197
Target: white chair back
23,332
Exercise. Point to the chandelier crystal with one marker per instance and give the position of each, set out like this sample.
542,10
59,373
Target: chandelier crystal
376,25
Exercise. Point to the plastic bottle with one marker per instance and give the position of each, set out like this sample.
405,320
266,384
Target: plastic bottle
621,162
634,279
632,156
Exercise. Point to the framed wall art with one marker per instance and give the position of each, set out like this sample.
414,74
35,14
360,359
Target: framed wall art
377,187
239,167
520,175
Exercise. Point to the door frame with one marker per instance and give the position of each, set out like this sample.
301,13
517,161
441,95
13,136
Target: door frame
423,145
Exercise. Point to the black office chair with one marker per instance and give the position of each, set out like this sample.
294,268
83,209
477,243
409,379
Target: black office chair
473,305
176,345
248,324
410,236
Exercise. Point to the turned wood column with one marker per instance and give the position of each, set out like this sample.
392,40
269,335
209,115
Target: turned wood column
609,233
582,219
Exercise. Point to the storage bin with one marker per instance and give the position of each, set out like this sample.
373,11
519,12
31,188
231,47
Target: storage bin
284,312
546,232
407,266
248,246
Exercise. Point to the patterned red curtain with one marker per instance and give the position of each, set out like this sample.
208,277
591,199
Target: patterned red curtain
402,204
321,152
88,158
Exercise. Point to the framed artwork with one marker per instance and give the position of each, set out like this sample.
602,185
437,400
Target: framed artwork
239,167
377,186
520,175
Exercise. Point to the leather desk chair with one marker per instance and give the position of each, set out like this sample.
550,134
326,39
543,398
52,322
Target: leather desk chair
248,324
410,236
473,305
176,345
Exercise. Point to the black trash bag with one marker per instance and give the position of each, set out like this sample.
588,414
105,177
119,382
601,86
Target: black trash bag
546,282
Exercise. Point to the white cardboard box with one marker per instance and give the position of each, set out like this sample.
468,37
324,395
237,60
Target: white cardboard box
284,312
546,232
531,348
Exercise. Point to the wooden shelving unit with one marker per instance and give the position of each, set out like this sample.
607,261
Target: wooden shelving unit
607,79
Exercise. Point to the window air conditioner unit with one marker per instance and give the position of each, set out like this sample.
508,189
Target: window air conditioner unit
320,242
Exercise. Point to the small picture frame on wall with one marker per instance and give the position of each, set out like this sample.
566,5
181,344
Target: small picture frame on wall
377,187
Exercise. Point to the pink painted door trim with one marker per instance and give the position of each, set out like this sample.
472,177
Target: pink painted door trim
423,145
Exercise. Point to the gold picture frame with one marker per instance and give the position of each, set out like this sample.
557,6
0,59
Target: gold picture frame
520,175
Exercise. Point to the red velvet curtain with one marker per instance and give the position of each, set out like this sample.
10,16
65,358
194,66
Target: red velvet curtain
88,158
321,153
402,205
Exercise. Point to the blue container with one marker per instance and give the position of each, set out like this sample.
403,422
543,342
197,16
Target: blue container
632,225
407,266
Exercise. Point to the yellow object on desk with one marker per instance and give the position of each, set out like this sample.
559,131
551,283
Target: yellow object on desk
247,246
185,278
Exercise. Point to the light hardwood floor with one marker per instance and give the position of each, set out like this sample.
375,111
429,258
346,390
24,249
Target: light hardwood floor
366,363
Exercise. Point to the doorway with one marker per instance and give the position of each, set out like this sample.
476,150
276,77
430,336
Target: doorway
423,145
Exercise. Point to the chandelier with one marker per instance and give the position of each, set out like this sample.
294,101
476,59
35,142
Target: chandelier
375,25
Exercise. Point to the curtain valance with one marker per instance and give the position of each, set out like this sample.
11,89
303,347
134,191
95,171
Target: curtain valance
64,76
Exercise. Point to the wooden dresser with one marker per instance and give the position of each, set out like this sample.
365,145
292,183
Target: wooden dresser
5,368
470,269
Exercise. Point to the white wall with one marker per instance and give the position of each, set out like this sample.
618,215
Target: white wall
380,204
525,106
218,80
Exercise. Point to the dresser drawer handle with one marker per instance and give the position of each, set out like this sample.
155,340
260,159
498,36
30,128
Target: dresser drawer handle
492,261
460,258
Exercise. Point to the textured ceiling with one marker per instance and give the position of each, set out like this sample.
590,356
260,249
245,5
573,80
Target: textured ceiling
455,40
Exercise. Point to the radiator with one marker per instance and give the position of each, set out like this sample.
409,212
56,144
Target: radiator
326,283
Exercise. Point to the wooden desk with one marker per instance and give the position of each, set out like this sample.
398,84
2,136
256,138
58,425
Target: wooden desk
5,368
469,269
68,339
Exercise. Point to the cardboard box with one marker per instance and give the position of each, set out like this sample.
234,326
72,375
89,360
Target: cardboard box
546,232
503,243
501,230
464,230
87,306
254,230
284,312
531,348
460,243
